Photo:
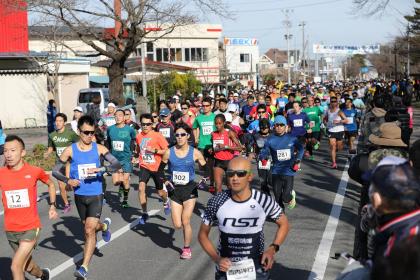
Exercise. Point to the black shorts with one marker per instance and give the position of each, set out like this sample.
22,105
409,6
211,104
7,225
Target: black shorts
145,174
315,135
302,139
182,193
339,136
221,163
349,134
89,206
207,155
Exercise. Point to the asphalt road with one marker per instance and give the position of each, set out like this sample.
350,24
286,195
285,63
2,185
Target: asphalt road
152,251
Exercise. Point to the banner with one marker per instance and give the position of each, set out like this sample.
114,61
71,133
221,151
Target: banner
240,41
345,50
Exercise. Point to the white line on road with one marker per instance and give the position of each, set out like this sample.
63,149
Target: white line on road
323,254
70,262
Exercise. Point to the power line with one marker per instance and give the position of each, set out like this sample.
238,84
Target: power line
290,7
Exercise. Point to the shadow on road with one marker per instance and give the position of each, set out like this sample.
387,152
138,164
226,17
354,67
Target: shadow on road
5,272
279,271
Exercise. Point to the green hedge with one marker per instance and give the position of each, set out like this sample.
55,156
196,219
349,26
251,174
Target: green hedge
36,157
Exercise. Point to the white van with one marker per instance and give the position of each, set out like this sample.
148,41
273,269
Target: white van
86,96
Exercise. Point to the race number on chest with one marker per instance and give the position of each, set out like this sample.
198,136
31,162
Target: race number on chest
17,199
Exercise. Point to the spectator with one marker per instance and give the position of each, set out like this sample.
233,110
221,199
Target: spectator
51,112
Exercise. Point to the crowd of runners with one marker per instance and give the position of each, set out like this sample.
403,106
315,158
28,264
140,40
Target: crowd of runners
226,134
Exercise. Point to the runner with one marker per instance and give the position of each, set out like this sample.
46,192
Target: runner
255,146
151,146
350,127
314,128
335,119
77,113
129,121
107,119
188,116
166,126
224,142
121,139
18,183
281,146
86,176
181,159
241,243
58,140
203,127
297,121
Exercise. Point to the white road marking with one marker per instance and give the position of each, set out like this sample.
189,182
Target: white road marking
70,262
323,254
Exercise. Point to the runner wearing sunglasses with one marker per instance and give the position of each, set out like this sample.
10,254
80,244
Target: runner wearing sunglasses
151,145
240,213
181,159
281,147
86,176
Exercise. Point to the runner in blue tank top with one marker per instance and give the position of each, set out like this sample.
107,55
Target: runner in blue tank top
181,159
86,175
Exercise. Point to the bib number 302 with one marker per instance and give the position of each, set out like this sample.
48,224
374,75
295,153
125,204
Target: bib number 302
180,178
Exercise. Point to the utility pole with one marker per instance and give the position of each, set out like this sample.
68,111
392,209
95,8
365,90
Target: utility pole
302,24
288,36
408,51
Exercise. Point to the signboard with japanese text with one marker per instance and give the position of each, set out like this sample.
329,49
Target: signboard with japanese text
240,41
345,50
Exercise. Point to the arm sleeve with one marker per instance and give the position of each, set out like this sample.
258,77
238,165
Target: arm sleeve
59,170
114,163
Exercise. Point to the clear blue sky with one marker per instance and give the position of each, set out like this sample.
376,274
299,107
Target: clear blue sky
329,22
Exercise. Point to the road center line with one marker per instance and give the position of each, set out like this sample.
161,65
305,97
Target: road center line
71,261
323,254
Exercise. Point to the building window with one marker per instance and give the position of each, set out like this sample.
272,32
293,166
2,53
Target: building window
175,54
165,55
244,57
149,47
178,54
187,56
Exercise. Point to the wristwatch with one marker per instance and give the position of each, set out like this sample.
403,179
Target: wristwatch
52,203
275,246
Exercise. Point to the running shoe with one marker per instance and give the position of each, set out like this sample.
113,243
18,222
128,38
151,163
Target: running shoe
106,234
81,272
66,208
167,207
125,204
202,185
292,203
143,218
334,165
316,146
186,253
45,274
212,189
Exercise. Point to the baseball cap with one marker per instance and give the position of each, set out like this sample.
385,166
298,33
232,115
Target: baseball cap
228,117
232,108
78,108
235,94
200,95
111,105
280,119
164,112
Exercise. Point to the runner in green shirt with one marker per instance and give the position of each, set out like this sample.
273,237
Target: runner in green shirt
203,127
58,140
314,114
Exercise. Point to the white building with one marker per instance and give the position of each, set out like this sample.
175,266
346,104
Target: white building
242,56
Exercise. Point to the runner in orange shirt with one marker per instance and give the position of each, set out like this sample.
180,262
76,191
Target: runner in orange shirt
18,183
151,145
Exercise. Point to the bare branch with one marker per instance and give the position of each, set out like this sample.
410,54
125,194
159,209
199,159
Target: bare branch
370,7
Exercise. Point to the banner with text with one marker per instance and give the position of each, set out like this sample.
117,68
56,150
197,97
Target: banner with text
345,50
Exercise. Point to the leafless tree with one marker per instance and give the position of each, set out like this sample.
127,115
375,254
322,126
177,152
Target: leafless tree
132,26
370,7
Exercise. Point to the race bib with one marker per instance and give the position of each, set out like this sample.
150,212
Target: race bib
166,132
298,123
281,104
60,150
217,142
349,120
267,166
180,178
148,158
17,199
83,171
312,124
242,270
110,122
283,154
118,146
207,130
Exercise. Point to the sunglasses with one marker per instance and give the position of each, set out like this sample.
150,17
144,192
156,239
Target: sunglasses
261,112
279,124
184,108
206,105
264,127
146,124
240,173
333,101
127,114
179,135
88,132
303,102
155,117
